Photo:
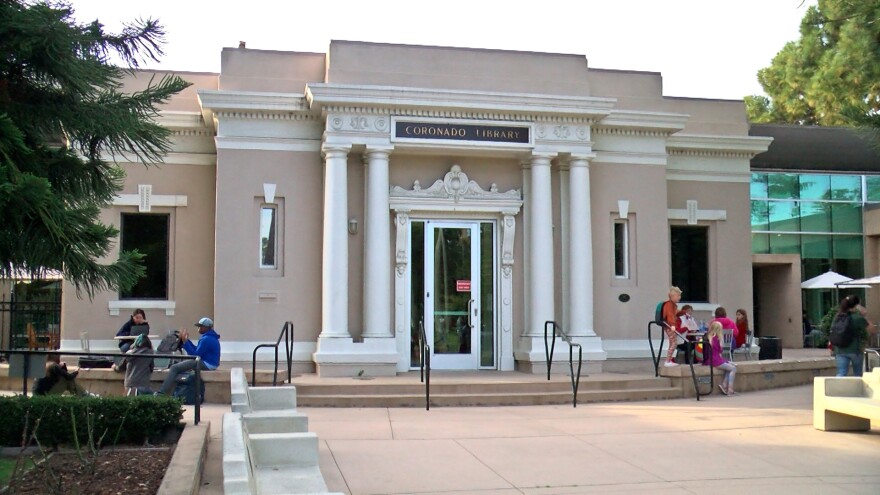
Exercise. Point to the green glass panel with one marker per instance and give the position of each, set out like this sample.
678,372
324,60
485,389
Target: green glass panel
846,187
760,212
758,188
815,216
847,247
487,293
872,184
784,216
782,186
785,243
452,263
846,217
815,186
813,267
760,243
417,273
816,246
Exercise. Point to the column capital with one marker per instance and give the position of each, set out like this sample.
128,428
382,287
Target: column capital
542,159
580,159
335,149
377,152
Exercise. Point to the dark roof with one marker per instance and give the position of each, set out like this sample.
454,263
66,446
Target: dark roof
813,148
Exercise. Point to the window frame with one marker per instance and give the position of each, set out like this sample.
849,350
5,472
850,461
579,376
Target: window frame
273,229
620,252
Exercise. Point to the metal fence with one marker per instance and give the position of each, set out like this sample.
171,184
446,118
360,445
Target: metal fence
42,317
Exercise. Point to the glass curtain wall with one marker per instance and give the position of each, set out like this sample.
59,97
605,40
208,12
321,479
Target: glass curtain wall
819,217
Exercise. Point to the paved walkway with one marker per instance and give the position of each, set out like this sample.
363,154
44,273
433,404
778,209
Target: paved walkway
753,443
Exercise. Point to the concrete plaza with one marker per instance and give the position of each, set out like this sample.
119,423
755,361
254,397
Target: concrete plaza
756,442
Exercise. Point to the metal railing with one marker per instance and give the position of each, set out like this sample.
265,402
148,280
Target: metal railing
26,375
690,357
287,335
549,347
425,364
868,352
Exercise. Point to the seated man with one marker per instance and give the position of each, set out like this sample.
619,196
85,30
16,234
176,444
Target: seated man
208,349
58,380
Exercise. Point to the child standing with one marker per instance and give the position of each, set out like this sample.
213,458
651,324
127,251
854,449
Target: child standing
138,370
715,359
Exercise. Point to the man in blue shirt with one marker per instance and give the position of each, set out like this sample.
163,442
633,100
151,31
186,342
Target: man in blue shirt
208,349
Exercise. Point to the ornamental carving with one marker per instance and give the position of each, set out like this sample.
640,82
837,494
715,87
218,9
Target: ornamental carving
336,123
455,185
359,123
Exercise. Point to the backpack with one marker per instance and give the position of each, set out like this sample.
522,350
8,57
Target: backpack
842,332
169,344
658,313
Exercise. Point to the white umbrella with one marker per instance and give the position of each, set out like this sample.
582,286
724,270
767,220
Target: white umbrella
862,282
828,280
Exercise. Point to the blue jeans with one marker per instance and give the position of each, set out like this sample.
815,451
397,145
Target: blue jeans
844,361
177,369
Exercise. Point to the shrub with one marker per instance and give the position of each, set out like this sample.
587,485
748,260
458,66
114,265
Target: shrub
55,419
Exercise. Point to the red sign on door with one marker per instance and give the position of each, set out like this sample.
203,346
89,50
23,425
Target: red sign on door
463,285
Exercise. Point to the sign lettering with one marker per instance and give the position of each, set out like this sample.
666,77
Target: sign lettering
462,132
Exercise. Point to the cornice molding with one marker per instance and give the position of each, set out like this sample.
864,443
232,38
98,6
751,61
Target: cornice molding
660,123
257,115
218,100
463,104
717,146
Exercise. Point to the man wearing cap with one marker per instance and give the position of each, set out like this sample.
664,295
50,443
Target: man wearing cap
208,349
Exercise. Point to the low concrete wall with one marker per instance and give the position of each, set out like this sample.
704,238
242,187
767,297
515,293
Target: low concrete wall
107,382
754,375
184,473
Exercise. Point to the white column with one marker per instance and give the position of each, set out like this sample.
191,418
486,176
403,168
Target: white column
377,248
541,246
564,253
526,224
334,280
580,255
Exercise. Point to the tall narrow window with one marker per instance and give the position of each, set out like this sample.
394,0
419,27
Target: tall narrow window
621,249
690,262
148,234
268,237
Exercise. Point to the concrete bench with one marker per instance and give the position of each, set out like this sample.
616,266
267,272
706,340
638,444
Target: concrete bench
846,403
252,399
268,462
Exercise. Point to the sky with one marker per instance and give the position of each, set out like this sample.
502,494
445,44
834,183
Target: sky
702,48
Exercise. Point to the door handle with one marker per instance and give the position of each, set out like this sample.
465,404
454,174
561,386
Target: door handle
470,313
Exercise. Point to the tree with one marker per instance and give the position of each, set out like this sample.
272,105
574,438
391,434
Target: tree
831,75
62,119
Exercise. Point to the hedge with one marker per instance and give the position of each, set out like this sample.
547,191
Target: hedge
54,419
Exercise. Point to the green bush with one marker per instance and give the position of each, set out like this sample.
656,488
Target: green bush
54,419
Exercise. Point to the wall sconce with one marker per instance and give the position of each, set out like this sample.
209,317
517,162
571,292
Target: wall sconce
352,226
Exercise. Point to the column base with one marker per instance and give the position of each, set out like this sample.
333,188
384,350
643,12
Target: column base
531,357
344,357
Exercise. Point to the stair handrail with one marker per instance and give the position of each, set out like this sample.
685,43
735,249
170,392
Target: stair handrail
870,350
690,356
286,334
425,364
550,347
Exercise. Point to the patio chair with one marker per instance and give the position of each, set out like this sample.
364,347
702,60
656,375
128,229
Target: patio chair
727,343
747,347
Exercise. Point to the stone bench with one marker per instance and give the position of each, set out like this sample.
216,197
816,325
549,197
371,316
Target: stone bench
268,462
267,448
846,403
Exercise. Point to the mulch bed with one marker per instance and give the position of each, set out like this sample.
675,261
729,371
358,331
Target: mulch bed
113,471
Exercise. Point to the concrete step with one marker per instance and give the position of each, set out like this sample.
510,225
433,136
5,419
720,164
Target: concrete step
488,399
529,390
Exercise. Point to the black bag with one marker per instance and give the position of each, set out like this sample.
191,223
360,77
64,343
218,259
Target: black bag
186,389
169,344
95,362
842,332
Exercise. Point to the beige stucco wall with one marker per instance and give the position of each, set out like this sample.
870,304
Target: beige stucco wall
270,71
778,285
252,303
191,277
496,71
649,246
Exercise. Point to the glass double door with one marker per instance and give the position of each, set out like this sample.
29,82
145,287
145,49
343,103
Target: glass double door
453,299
